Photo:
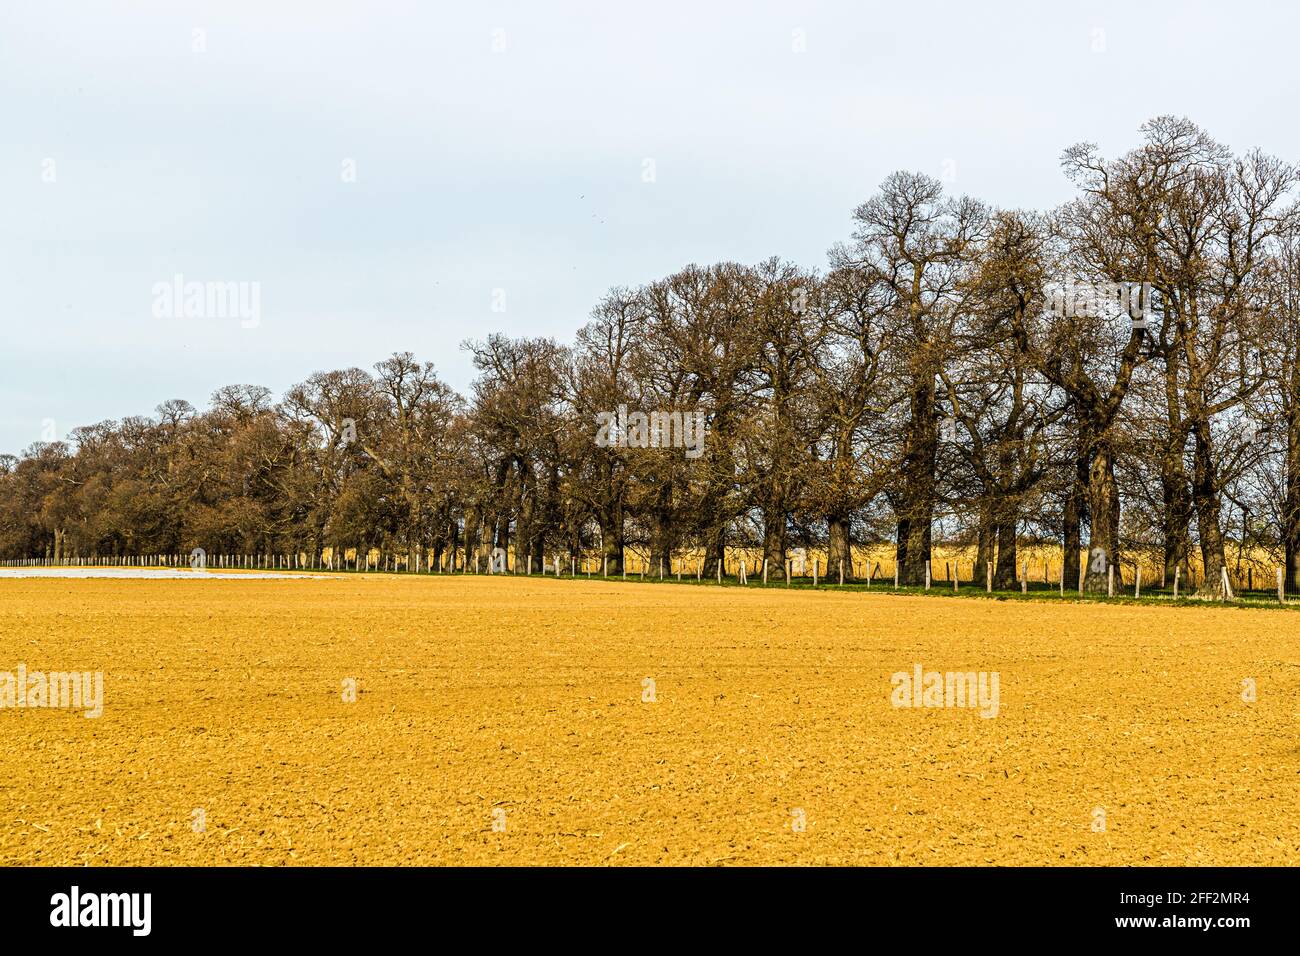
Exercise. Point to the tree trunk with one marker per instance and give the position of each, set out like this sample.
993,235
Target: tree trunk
611,539
1175,493
1005,572
715,551
1075,513
1103,511
1206,499
839,548
986,539
902,533
1176,518
774,542
917,495
501,537
1291,510
471,535
662,529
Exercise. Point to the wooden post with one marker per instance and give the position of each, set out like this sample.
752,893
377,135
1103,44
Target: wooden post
1024,578
719,569
765,570
988,577
1110,580
1178,572
1137,580
841,571
1227,588
1281,592
604,567
927,575
816,562
1062,577
895,573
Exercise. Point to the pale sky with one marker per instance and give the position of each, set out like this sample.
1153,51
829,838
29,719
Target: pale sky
504,146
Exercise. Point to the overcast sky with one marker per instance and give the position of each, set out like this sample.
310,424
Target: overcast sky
393,175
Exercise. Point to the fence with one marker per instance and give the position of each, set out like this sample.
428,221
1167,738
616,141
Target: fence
1036,572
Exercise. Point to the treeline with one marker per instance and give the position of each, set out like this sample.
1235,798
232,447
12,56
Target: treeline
1120,374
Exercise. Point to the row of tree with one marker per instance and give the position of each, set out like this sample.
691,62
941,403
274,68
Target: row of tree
1121,374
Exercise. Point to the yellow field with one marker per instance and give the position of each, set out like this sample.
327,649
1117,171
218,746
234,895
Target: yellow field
525,696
